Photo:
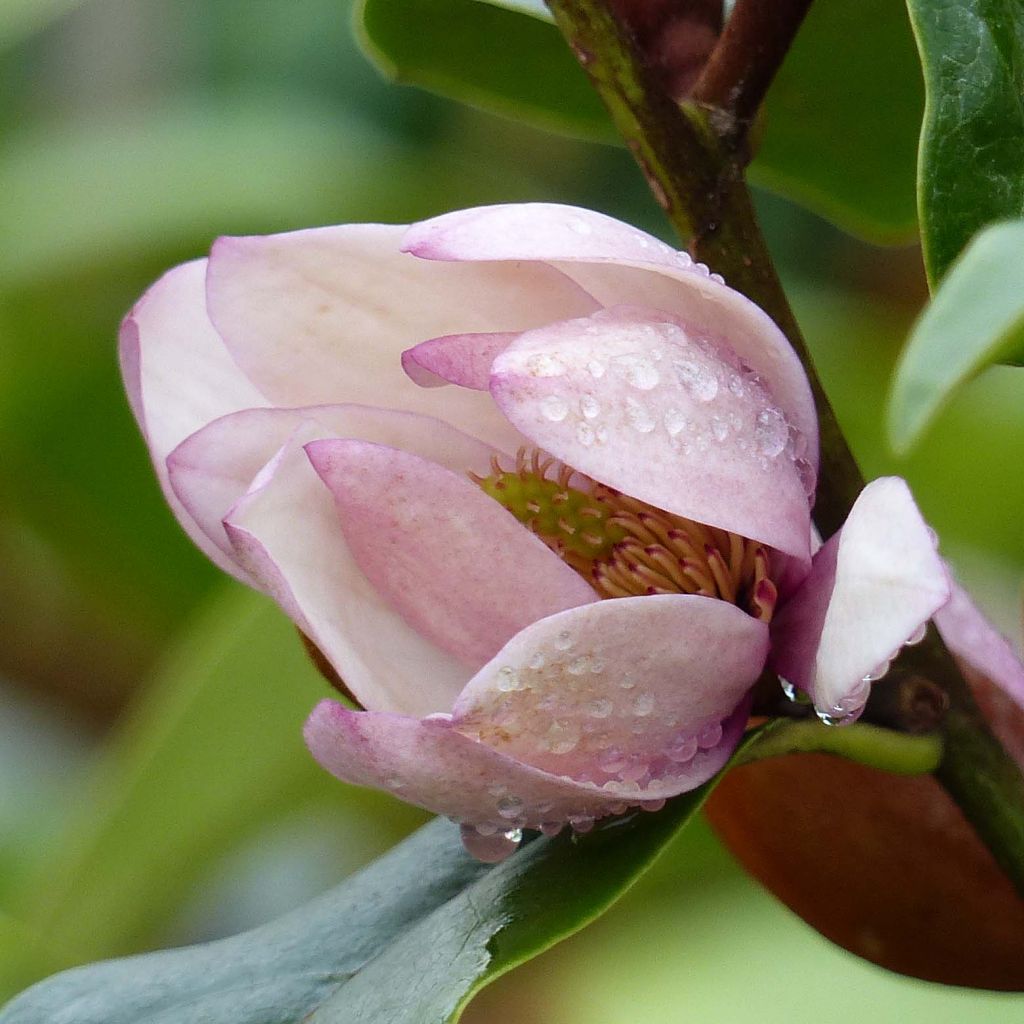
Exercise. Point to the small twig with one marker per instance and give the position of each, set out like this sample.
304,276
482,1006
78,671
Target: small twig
756,39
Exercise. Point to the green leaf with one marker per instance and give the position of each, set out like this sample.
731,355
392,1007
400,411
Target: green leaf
972,143
487,55
212,753
409,939
976,319
841,119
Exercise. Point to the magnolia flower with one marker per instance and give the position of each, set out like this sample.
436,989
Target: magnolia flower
538,489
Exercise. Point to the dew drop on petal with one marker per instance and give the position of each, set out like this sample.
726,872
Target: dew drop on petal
643,705
581,822
639,417
697,379
537,662
674,420
585,434
578,666
510,806
652,805
600,708
590,407
596,369
710,736
917,636
551,828
508,679
642,375
612,760
564,640
490,849
788,689
771,432
683,748
554,408
544,364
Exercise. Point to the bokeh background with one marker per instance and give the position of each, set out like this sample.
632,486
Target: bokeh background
153,785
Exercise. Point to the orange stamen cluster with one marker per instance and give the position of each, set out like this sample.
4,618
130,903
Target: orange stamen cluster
625,547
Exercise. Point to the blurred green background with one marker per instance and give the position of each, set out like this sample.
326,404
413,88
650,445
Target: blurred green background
153,784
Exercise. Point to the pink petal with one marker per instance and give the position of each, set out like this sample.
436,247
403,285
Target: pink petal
323,316
992,667
429,764
650,407
619,265
626,690
458,567
463,359
285,531
213,468
871,588
179,376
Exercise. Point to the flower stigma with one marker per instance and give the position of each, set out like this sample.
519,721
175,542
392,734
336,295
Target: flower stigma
625,547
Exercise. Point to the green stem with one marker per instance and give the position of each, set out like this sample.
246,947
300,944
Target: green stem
693,162
897,752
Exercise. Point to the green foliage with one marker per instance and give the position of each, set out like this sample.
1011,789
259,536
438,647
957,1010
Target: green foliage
212,753
842,117
487,55
975,319
406,941
972,143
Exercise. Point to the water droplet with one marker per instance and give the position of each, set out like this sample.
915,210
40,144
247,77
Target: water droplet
674,420
563,641
697,379
508,679
710,736
562,737
487,828
537,662
878,672
635,770
601,434
590,407
551,828
917,636
719,428
642,375
643,705
581,822
683,258
612,760
638,416
394,782
771,432
579,665
652,805
510,806
554,408
490,849
788,689
717,277
595,369
544,364
807,476
600,708
683,748
585,434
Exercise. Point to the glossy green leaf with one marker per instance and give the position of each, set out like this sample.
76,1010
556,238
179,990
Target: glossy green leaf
406,941
972,144
487,55
211,753
841,119
976,319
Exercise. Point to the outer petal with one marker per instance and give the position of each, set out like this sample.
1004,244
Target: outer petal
619,265
213,468
643,404
871,588
324,315
429,764
992,666
179,376
285,531
456,565
631,690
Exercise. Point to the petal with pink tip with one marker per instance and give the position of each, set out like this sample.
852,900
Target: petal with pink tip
639,402
285,531
323,316
463,359
627,690
458,567
619,265
871,588
429,764
179,376
213,468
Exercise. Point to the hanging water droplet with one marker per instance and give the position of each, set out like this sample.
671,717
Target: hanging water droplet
917,636
788,689
551,828
554,408
683,748
581,822
652,805
490,849
639,418
590,407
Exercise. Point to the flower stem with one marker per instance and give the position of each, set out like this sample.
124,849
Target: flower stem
691,155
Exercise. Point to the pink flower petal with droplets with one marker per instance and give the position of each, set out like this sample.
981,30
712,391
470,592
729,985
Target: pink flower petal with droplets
323,316
624,690
458,567
617,264
304,562
213,468
640,403
429,764
871,588
463,359
179,376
